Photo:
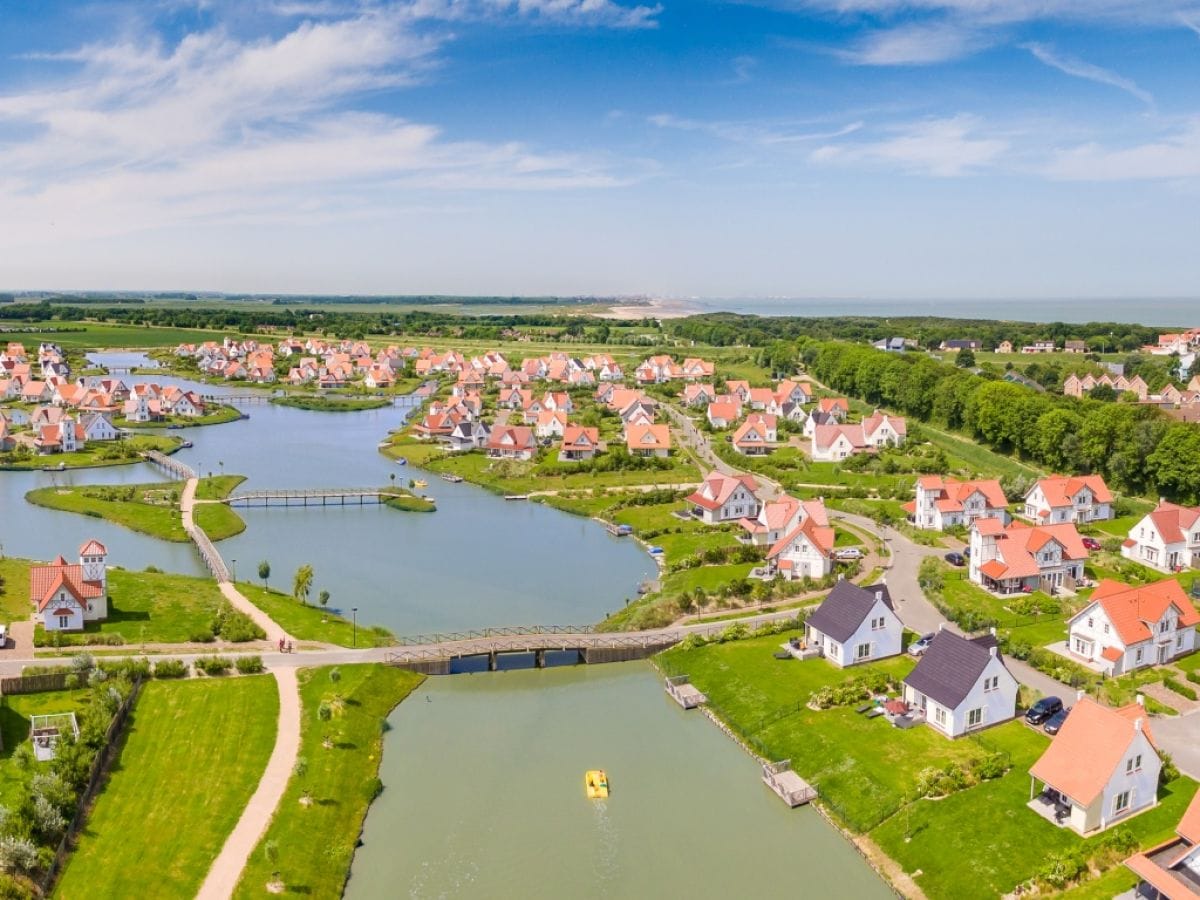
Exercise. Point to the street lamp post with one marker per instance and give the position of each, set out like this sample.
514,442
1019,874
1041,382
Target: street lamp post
234,572
354,629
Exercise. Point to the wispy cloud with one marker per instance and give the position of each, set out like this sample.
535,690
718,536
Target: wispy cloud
1088,71
763,134
920,44
943,148
1172,156
214,126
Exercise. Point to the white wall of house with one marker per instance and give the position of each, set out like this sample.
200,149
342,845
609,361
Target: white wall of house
1141,783
72,622
806,559
1151,550
991,700
880,633
1084,508
839,449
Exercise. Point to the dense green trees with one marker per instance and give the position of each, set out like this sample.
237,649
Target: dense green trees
1136,447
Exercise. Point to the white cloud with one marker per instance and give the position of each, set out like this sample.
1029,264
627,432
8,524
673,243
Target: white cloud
1172,156
915,45
1088,71
943,148
218,128
765,134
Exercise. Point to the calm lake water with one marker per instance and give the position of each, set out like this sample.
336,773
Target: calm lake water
477,561
484,798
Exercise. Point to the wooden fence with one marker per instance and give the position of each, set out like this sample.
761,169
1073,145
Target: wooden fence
34,684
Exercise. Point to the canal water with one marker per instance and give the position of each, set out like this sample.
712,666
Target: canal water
484,798
477,561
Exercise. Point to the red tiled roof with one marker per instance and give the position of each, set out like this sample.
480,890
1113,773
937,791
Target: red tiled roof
45,582
1136,611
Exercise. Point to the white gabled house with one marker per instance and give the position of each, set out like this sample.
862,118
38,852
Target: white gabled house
804,552
66,596
1167,539
855,625
1125,628
1069,498
725,498
466,436
779,517
961,684
1102,766
1021,557
944,502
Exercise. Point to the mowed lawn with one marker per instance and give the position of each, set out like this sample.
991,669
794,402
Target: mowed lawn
316,841
309,622
192,756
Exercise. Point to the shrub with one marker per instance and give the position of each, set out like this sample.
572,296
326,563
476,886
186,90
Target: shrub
1180,688
235,626
1169,771
1193,677
213,665
170,668
1060,869
249,665
991,766
202,637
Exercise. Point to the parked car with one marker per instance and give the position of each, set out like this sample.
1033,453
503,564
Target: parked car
956,559
920,645
848,553
1091,543
1055,722
1043,710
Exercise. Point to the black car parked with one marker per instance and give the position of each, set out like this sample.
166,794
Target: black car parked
1055,722
956,559
1043,710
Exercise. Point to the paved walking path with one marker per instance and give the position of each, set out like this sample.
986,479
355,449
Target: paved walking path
227,869
238,600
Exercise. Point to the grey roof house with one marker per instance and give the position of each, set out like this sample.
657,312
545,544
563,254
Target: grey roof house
961,684
855,625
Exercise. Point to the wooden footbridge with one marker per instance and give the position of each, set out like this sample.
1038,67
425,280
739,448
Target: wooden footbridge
172,467
436,654
242,399
313,497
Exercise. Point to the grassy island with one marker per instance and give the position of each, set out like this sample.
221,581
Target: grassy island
109,453
221,731
313,623
407,501
151,509
217,415
320,816
331,404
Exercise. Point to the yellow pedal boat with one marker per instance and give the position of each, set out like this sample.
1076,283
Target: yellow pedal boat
595,782
420,483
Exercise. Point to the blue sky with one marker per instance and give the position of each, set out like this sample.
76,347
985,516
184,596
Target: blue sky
798,148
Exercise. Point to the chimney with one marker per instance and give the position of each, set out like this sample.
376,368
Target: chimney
1079,695
1141,699
1137,724
992,651
941,625
993,630
841,576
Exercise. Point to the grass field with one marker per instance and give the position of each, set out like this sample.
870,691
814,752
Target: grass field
151,509
14,589
316,840
154,607
309,622
96,336
218,416
218,520
190,759
331,404
217,487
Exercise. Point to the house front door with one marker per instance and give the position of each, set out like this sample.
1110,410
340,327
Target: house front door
1164,653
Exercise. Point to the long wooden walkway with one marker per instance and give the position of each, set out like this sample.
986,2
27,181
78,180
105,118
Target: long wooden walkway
173,467
313,497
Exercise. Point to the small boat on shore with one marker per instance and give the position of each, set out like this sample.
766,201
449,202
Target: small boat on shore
401,461
421,483
595,783
516,496
453,479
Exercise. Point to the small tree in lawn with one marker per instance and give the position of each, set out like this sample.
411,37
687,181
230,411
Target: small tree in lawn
264,571
302,583
271,852
300,771
323,598
325,714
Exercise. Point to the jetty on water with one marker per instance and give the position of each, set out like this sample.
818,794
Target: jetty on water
683,692
787,785
313,497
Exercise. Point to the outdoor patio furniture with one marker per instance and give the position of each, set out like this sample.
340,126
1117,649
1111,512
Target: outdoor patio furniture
866,706
875,713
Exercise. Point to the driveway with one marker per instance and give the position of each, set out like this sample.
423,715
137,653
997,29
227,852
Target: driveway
1180,737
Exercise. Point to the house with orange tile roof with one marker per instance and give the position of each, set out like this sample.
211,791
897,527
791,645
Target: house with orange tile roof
961,684
68,436
1167,539
1069,498
698,394
1022,558
725,498
883,430
579,443
739,389
1125,628
834,442
693,369
659,370
855,625
780,516
724,411
648,440
1101,768
65,596
550,424
838,407
1172,868
804,552
788,391
511,442
756,436
941,503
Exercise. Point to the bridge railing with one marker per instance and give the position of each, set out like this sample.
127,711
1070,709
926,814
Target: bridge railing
448,637
170,466
533,642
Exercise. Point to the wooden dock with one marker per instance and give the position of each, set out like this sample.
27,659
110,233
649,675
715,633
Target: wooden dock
787,785
313,497
684,693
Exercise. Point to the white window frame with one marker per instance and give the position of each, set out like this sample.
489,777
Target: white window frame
1121,803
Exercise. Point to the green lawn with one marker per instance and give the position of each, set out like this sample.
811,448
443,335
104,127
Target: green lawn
15,710
151,509
316,841
309,622
218,520
190,759
14,589
96,336
155,607
217,487
95,455
331,404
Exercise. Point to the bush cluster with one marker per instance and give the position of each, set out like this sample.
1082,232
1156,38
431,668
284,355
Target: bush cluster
213,665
